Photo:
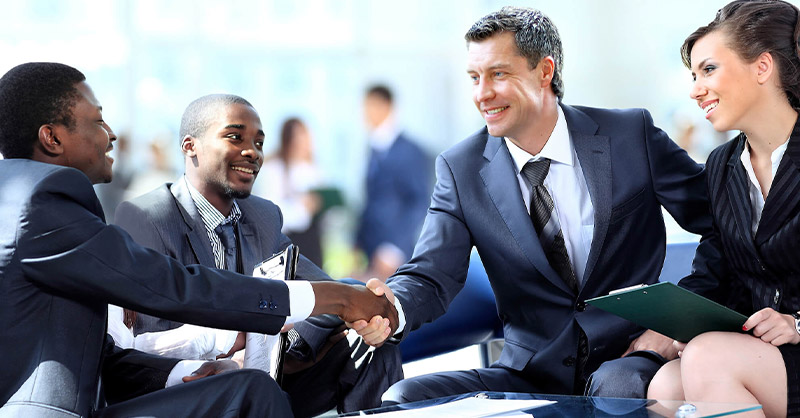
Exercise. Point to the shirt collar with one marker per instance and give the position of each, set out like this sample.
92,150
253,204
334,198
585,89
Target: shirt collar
558,147
384,135
208,213
775,158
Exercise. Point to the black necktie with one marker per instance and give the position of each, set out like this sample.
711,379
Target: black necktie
228,237
546,223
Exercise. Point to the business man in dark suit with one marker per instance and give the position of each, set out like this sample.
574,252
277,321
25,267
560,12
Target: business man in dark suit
563,204
398,187
221,142
60,264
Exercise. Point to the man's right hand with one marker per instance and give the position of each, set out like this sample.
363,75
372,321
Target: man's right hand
353,303
377,330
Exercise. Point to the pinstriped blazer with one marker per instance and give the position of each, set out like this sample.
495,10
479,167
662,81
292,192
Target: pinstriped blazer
763,270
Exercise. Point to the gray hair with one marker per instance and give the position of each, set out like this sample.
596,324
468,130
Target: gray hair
197,116
534,33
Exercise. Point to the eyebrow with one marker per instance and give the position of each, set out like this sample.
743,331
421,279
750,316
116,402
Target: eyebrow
499,66
241,126
703,63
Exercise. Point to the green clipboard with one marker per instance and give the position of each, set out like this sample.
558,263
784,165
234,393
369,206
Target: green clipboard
670,310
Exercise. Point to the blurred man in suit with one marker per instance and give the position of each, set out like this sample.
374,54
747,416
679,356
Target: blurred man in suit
60,265
221,139
563,204
398,188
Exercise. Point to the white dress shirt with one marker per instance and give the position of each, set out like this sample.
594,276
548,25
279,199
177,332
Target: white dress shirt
756,197
567,187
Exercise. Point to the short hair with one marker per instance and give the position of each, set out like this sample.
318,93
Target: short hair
535,36
381,91
197,116
754,27
32,95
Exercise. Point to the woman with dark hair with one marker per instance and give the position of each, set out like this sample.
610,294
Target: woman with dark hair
288,178
747,77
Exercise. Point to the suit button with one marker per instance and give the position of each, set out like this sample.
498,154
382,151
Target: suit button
273,306
580,306
569,361
263,304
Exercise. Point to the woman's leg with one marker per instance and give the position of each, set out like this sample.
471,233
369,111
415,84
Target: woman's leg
666,384
731,367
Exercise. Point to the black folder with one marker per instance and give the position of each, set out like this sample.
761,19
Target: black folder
670,310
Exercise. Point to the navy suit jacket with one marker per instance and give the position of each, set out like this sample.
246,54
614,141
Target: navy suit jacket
167,221
632,169
762,269
398,189
60,265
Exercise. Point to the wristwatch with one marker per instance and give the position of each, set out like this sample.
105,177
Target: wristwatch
796,317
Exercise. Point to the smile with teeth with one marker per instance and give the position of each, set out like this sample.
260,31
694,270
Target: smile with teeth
497,110
243,170
711,106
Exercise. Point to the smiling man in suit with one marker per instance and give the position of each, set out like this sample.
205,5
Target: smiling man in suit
563,203
60,265
221,139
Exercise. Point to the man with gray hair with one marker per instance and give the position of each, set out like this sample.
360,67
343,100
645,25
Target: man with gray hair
563,204
222,139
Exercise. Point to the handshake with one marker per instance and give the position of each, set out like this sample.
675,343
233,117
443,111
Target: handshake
368,310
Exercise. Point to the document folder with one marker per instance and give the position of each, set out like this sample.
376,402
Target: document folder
266,352
670,310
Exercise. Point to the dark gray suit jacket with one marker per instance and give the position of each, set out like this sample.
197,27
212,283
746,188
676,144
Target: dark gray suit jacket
167,221
60,265
632,169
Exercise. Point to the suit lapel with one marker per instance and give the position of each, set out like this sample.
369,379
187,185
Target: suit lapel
594,155
738,186
499,177
196,233
783,196
249,244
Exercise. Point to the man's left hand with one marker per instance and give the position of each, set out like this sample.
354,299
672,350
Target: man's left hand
654,341
211,368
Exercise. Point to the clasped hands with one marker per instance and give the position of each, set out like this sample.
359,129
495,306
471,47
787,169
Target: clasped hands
378,329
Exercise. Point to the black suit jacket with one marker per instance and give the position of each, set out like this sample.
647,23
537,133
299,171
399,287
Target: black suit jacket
60,265
632,169
762,270
167,221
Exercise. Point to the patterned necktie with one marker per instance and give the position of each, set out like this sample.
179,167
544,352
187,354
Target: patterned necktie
546,223
228,237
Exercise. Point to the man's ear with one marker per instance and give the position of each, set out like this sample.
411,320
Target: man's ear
547,68
48,140
189,146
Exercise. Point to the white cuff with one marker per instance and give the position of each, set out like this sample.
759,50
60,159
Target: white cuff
301,300
401,317
183,368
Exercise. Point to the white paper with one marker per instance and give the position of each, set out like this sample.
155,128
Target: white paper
471,407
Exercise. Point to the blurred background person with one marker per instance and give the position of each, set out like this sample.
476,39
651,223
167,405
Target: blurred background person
398,187
289,178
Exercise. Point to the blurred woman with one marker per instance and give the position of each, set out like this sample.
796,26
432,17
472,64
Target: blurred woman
747,77
288,178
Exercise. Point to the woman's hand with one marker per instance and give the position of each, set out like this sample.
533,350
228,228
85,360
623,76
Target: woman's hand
772,327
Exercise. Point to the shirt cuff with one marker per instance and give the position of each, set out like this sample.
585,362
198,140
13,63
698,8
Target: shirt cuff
182,369
301,300
401,317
